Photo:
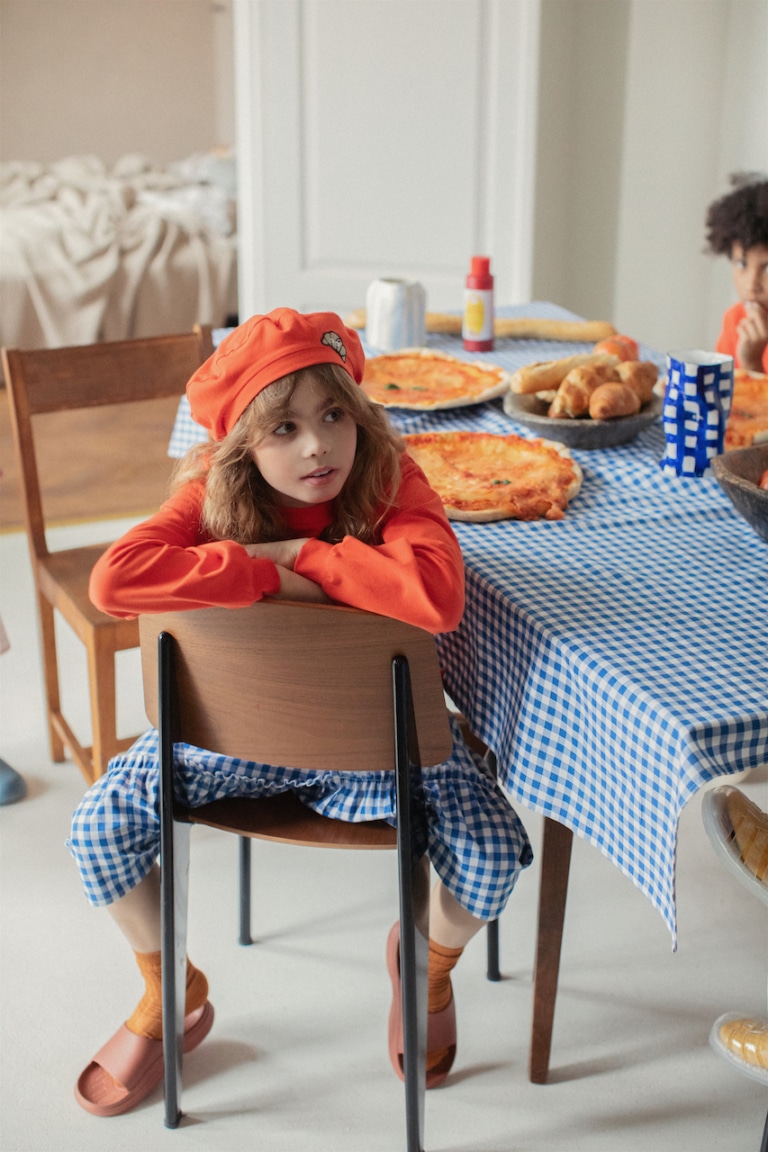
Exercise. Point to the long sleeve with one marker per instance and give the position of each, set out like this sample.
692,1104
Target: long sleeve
728,339
166,563
416,574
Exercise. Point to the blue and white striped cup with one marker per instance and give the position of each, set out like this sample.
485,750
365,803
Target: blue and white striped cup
697,401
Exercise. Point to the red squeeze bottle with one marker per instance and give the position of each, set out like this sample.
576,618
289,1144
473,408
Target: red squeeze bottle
477,325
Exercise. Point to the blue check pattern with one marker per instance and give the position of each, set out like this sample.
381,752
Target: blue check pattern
616,660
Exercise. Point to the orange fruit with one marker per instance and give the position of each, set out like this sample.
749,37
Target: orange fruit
622,346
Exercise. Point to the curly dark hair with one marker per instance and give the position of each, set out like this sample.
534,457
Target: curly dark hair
741,217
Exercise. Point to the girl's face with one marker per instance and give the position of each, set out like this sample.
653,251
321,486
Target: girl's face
307,457
750,273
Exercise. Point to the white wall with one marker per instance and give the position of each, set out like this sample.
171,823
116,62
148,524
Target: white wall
646,107
108,77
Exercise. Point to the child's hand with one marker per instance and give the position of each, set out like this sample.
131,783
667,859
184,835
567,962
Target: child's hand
295,587
753,337
282,552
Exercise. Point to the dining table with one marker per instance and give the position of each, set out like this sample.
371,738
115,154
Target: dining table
614,661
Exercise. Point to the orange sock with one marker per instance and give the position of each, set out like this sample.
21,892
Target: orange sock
147,1018
441,963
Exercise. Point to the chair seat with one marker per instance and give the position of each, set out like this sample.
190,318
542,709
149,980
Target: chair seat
64,578
284,818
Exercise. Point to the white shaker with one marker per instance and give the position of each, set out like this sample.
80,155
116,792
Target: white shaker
395,315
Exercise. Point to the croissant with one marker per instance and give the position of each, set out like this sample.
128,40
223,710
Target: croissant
573,396
613,399
640,375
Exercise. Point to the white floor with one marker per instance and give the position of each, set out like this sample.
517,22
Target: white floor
297,1059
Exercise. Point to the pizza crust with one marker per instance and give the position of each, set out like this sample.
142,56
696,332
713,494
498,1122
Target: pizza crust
499,388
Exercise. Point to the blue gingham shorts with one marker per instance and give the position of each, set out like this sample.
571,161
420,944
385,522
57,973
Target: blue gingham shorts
476,842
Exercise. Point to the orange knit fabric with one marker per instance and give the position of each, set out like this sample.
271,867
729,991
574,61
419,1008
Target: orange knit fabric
147,1018
442,961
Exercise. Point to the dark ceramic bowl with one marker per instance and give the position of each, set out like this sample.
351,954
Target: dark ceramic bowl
737,473
531,412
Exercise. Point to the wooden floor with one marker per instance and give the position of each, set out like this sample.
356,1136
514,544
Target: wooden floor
104,463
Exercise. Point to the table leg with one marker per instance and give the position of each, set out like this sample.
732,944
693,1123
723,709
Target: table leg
553,888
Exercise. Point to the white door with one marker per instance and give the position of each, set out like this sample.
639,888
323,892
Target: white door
383,138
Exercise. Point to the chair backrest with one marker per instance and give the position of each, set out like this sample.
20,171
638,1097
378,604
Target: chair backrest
88,376
304,685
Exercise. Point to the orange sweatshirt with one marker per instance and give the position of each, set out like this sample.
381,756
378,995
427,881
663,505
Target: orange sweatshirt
168,563
729,336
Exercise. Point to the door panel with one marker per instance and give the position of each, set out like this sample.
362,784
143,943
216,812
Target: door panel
383,138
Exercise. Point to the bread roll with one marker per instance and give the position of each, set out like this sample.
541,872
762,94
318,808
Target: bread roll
613,399
551,373
640,375
573,396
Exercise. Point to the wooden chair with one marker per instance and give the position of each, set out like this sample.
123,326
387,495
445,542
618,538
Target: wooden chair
313,686
55,380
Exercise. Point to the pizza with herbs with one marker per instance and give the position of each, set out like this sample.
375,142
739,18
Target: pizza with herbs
748,417
423,379
481,477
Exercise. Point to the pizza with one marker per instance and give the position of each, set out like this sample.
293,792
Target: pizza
423,379
481,477
748,418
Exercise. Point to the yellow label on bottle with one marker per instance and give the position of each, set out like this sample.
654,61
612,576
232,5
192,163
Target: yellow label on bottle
478,315
474,316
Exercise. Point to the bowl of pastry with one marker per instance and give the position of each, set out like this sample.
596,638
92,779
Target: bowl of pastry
594,400
743,476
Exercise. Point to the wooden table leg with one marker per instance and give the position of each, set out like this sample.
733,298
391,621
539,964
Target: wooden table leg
553,888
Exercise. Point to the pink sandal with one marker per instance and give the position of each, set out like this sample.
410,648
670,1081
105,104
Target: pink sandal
129,1067
441,1026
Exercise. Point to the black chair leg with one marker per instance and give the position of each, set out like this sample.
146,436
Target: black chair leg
764,1141
492,941
174,888
413,868
245,890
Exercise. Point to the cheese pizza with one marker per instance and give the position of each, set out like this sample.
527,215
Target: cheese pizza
483,477
748,418
426,380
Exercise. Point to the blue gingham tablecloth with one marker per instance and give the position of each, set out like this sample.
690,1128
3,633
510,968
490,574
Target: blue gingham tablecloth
615,660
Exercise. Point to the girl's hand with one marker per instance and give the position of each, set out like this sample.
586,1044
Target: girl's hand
295,587
281,552
753,337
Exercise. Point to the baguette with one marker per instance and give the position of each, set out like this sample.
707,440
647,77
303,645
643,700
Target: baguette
551,373
511,327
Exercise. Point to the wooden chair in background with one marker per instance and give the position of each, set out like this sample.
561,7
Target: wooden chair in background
313,686
83,377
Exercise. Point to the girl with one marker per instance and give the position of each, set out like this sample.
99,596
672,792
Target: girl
305,493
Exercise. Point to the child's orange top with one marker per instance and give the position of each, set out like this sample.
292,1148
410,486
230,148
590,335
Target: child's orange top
729,336
168,563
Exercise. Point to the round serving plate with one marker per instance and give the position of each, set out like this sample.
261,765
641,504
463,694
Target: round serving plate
531,411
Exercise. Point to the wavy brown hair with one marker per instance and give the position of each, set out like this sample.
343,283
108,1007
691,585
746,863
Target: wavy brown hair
239,505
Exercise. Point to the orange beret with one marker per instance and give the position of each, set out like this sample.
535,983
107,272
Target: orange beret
260,351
